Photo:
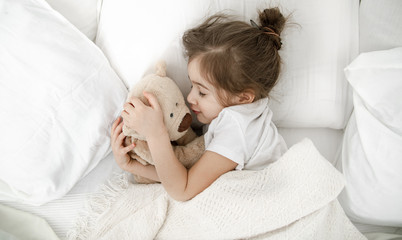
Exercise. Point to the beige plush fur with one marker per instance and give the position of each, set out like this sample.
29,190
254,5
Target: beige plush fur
187,146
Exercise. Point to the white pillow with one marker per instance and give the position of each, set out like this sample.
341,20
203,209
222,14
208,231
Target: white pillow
380,25
312,92
82,14
59,97
372,146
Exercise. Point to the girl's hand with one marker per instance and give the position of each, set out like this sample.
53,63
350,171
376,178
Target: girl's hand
120,152
146,120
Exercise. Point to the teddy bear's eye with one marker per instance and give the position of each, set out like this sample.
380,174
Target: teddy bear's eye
171,115
177,104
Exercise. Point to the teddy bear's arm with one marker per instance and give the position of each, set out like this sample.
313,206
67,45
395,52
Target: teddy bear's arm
191,152
187,138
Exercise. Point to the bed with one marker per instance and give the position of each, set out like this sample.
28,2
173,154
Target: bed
66,67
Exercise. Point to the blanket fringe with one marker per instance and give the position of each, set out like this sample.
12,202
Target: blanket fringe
98,203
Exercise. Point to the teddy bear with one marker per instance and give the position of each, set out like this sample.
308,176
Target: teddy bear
187,145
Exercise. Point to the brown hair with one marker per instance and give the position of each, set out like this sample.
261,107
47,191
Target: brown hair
235,55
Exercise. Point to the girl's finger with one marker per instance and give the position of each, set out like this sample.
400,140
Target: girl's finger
136,103
115,123
128,107
120,138
124,115
128,148
153,101
117,131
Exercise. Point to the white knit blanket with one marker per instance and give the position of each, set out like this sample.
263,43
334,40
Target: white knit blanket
294,198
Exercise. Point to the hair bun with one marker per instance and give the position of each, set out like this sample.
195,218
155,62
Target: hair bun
272,18
272,22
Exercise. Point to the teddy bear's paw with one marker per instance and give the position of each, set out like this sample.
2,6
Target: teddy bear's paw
134,156
189,154
142,150
189,136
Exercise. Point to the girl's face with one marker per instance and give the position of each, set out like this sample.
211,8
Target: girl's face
203,97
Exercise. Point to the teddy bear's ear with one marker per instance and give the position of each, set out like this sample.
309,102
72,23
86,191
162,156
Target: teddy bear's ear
161,69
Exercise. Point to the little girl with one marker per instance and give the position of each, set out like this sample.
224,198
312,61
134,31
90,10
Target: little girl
232,67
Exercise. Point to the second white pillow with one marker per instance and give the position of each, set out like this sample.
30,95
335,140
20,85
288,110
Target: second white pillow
372,145
312,91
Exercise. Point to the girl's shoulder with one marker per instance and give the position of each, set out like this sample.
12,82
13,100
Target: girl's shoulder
249,110
243,115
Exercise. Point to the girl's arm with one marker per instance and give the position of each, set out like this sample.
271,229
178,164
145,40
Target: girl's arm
147,171
180,183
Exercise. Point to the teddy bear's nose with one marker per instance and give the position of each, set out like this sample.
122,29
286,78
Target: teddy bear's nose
185,122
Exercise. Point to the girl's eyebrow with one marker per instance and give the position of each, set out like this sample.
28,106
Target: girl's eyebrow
197,83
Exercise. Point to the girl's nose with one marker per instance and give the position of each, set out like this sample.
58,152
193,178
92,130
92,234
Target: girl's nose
190,98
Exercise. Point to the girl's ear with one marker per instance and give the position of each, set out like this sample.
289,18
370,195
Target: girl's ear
247,96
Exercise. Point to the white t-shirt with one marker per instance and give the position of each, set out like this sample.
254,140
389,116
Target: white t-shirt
246,135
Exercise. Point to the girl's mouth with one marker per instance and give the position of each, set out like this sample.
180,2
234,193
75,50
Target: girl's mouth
196,112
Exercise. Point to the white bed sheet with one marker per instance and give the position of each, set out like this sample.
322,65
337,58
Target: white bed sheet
327,140
62,213
373,232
